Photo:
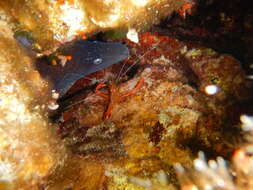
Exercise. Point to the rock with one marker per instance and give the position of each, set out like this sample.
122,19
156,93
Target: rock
169,117
29,146
51,23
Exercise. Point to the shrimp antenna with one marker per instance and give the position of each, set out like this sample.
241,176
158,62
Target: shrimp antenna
138,59
71,105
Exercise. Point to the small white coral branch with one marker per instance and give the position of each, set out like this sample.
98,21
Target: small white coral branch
212,175
206,176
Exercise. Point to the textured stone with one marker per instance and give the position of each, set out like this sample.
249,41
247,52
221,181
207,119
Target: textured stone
53,22
29,148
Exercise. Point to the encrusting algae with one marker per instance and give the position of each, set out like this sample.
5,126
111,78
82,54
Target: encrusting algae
163,122
171,100
52,22
29,147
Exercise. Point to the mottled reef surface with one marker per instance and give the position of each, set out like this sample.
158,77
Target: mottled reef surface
154,110
128,125
182,90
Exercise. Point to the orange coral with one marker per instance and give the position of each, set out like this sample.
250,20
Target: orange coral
186,9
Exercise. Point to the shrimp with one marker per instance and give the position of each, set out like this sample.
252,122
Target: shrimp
114,95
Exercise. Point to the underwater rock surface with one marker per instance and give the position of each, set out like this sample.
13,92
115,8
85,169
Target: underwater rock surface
29,146
170,100
53,22
166,119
